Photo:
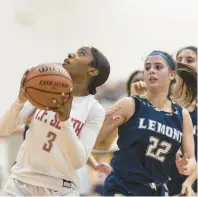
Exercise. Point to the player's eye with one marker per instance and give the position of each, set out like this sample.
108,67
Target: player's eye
158,67
179,59
82,53
147,68
190,60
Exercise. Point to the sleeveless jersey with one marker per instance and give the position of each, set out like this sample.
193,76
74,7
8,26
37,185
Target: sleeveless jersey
175,185
42,160
193,116
148,143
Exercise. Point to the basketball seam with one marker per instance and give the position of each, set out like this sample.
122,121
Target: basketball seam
30,71
35,100
46,91
48,75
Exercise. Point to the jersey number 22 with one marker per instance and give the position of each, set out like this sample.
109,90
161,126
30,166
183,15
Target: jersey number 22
157,149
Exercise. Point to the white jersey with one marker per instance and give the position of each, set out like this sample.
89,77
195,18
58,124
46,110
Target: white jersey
44,158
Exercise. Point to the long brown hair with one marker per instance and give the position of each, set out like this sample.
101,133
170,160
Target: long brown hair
189,77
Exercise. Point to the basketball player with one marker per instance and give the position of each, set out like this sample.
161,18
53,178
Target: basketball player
58,143
151,130
188,55
185,93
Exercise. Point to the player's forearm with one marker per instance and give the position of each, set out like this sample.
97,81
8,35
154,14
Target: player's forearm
188,144
11,119
92,162
73,146
191,178
105,132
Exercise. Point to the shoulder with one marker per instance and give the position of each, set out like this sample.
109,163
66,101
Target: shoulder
124,108
185,113
96,110
126,101
186,118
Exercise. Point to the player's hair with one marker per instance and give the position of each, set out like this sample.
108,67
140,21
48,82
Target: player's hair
189,77
101,63
168,58
130,79
192,48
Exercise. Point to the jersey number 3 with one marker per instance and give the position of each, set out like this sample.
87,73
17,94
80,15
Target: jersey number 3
51,138
157,149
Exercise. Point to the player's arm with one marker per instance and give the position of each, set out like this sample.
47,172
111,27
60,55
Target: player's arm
15,117
187,184
92,162
99,167
191,178
18,112
79,149
121,112
106,143
188,146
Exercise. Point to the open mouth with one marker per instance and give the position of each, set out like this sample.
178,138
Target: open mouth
66,61
152,79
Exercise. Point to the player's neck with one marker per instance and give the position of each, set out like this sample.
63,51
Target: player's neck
190,107
159,100
80,89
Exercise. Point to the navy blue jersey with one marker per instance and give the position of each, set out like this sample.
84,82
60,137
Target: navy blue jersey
193,116
194,121
148,143
175,185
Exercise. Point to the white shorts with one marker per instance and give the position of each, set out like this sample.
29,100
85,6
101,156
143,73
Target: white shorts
15,187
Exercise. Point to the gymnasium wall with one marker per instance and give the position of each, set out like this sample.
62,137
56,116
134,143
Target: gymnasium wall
35,31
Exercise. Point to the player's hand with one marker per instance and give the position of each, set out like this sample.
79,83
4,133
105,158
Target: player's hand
187,189
191,166
103,168
22,98
63,111
184,165
138,88
181,162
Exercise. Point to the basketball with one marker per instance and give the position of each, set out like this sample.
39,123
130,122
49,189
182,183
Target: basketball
47,82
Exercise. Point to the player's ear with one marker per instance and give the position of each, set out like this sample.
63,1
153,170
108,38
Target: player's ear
172,75
93,71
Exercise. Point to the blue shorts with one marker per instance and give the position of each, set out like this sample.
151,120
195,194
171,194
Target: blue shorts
115,185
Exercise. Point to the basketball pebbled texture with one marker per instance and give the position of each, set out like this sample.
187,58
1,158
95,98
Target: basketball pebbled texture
47,82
